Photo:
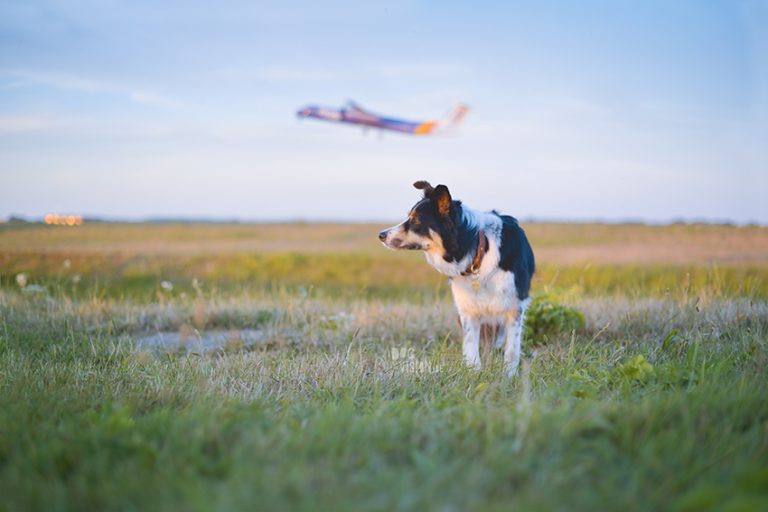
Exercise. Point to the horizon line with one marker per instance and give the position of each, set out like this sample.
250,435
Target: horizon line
191,219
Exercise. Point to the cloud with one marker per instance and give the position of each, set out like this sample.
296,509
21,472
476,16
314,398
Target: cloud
286,74
23,78
28,78
154,100
23,124
421,71
416,71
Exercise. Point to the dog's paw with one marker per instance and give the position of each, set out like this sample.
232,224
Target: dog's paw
473,364
510,371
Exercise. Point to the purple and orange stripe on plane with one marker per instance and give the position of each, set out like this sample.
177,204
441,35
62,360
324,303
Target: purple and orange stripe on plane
353,114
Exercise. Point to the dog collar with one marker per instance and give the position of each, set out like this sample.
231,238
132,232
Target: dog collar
482,247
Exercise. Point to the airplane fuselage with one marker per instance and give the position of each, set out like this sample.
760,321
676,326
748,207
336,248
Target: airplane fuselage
360,117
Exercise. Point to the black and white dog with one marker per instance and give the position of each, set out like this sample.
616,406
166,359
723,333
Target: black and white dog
487,259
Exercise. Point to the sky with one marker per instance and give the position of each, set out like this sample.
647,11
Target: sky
616,110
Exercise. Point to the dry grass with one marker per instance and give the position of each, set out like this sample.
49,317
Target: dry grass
560,244
132,260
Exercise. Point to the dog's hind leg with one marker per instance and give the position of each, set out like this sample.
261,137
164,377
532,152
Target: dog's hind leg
513,347
470,347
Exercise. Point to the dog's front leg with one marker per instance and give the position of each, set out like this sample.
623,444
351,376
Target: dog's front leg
501,336
512,346
470,347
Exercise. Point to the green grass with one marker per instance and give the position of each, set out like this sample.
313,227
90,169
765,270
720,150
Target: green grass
660,407
387,275
644,387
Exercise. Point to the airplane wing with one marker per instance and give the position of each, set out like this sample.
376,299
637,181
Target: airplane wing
355,112
351,105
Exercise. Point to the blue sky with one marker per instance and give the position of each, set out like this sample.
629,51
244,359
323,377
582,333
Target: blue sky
653,110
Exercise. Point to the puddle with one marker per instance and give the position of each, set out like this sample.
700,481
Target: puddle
200,341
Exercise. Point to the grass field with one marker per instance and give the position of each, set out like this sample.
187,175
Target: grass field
354,397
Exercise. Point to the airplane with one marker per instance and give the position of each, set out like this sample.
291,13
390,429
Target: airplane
354,114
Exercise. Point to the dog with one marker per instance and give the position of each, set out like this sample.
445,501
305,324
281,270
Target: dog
487,258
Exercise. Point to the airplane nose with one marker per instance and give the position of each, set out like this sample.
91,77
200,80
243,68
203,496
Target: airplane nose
382,235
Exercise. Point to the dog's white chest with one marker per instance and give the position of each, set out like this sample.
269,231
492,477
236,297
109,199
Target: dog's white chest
493,296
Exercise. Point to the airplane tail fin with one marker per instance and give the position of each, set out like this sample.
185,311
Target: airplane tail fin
455,117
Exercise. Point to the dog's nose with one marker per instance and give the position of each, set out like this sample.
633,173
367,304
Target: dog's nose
382,235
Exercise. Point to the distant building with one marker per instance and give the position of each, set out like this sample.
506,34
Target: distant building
63,220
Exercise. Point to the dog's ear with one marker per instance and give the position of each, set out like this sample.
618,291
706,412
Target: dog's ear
442,205
425,186
441,201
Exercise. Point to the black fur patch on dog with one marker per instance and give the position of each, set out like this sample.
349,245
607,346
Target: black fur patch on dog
516,255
